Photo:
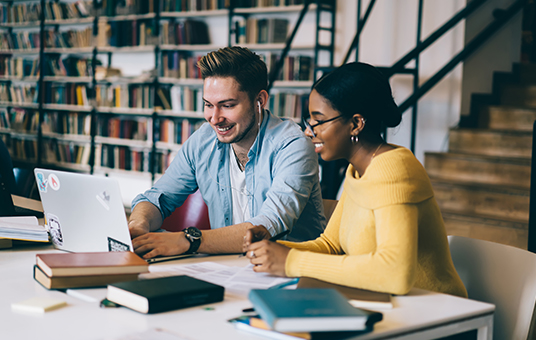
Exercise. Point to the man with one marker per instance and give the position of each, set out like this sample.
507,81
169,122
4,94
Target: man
252,168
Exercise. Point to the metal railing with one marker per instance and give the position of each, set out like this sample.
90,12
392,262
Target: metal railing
399,67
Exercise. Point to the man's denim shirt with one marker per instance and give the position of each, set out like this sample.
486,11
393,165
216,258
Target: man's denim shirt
281,178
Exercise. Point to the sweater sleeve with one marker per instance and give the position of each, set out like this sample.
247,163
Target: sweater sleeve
328,242
390,268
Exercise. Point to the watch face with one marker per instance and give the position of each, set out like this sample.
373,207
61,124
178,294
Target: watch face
194,232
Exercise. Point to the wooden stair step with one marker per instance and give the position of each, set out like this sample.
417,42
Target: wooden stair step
506,143
527,73
482,199
478,168
510,118
505,231
518,95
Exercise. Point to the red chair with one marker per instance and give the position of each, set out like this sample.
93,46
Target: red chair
192,213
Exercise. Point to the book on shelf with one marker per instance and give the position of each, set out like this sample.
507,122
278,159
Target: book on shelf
164,294
309,310
198,5
89,263
360,298
187,32
25,228
264,30
82,281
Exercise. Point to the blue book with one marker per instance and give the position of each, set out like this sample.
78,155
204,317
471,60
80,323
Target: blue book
310,310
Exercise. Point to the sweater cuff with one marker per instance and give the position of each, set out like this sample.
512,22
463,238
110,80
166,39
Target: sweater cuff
291,264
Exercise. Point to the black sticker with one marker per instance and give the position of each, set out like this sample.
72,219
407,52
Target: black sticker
115,245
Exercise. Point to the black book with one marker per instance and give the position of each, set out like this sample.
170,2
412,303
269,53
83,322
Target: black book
164,294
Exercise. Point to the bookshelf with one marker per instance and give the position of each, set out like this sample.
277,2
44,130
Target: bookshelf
61,106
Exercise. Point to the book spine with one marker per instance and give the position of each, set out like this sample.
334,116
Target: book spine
262,308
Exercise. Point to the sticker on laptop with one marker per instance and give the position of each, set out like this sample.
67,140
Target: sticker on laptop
104,199
54,182
115,245
54,228
41,182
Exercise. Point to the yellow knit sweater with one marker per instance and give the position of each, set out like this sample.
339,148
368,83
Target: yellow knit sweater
386,234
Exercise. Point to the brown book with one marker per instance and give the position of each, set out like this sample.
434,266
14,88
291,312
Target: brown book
86,281
74,264
360,298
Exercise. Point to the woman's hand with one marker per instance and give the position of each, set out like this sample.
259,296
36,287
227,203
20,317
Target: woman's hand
269,257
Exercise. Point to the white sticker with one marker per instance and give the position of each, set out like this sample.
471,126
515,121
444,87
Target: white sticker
54,182
54,228
104,199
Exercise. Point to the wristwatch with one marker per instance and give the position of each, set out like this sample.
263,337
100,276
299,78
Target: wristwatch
193,235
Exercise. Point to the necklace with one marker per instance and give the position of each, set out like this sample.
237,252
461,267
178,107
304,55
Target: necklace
374,154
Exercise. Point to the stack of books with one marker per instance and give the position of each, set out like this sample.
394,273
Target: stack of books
310,313
24,228
77,270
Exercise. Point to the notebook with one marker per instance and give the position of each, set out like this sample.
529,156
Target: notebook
84,213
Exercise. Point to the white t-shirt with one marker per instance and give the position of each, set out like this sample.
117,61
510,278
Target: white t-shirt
238,188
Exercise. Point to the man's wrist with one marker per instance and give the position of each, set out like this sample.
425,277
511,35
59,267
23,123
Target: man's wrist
193,236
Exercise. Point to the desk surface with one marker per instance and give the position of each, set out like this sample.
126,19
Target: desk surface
85,320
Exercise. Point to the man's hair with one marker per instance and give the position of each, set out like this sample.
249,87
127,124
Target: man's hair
246,67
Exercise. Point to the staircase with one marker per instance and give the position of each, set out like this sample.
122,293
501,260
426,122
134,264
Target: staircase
482,183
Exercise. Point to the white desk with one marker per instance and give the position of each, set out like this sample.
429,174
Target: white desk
419,315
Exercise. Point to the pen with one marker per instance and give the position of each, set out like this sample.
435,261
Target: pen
285,284
273,239
279,236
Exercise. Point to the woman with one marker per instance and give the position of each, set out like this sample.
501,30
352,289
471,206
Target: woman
387,233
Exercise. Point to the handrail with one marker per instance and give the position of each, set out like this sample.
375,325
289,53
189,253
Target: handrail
360,25
475,43
462,14
531,246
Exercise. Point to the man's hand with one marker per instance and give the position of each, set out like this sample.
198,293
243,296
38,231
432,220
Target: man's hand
255,234
160,244
269,257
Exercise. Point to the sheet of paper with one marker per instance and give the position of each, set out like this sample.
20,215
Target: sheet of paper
151,334
236,280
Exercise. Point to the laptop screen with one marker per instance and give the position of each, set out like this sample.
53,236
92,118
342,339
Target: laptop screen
84,213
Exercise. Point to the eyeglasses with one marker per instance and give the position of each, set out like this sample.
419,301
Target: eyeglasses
306,121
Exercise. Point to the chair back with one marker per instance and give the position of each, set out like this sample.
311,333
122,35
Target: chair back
502,275
192,213
7,182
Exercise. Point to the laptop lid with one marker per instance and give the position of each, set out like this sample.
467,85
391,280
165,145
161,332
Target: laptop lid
84,213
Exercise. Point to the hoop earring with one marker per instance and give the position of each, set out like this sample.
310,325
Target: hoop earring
355,139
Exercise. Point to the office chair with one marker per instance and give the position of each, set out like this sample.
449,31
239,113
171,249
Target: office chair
19,185
7,182
502,275
192,213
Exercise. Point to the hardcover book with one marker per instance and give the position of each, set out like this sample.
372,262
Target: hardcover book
86,281
360,298
310,310
98,263
164,294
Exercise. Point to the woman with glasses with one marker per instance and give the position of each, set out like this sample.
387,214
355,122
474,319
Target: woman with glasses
387,233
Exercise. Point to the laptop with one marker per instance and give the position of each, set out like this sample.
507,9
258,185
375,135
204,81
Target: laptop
84,213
